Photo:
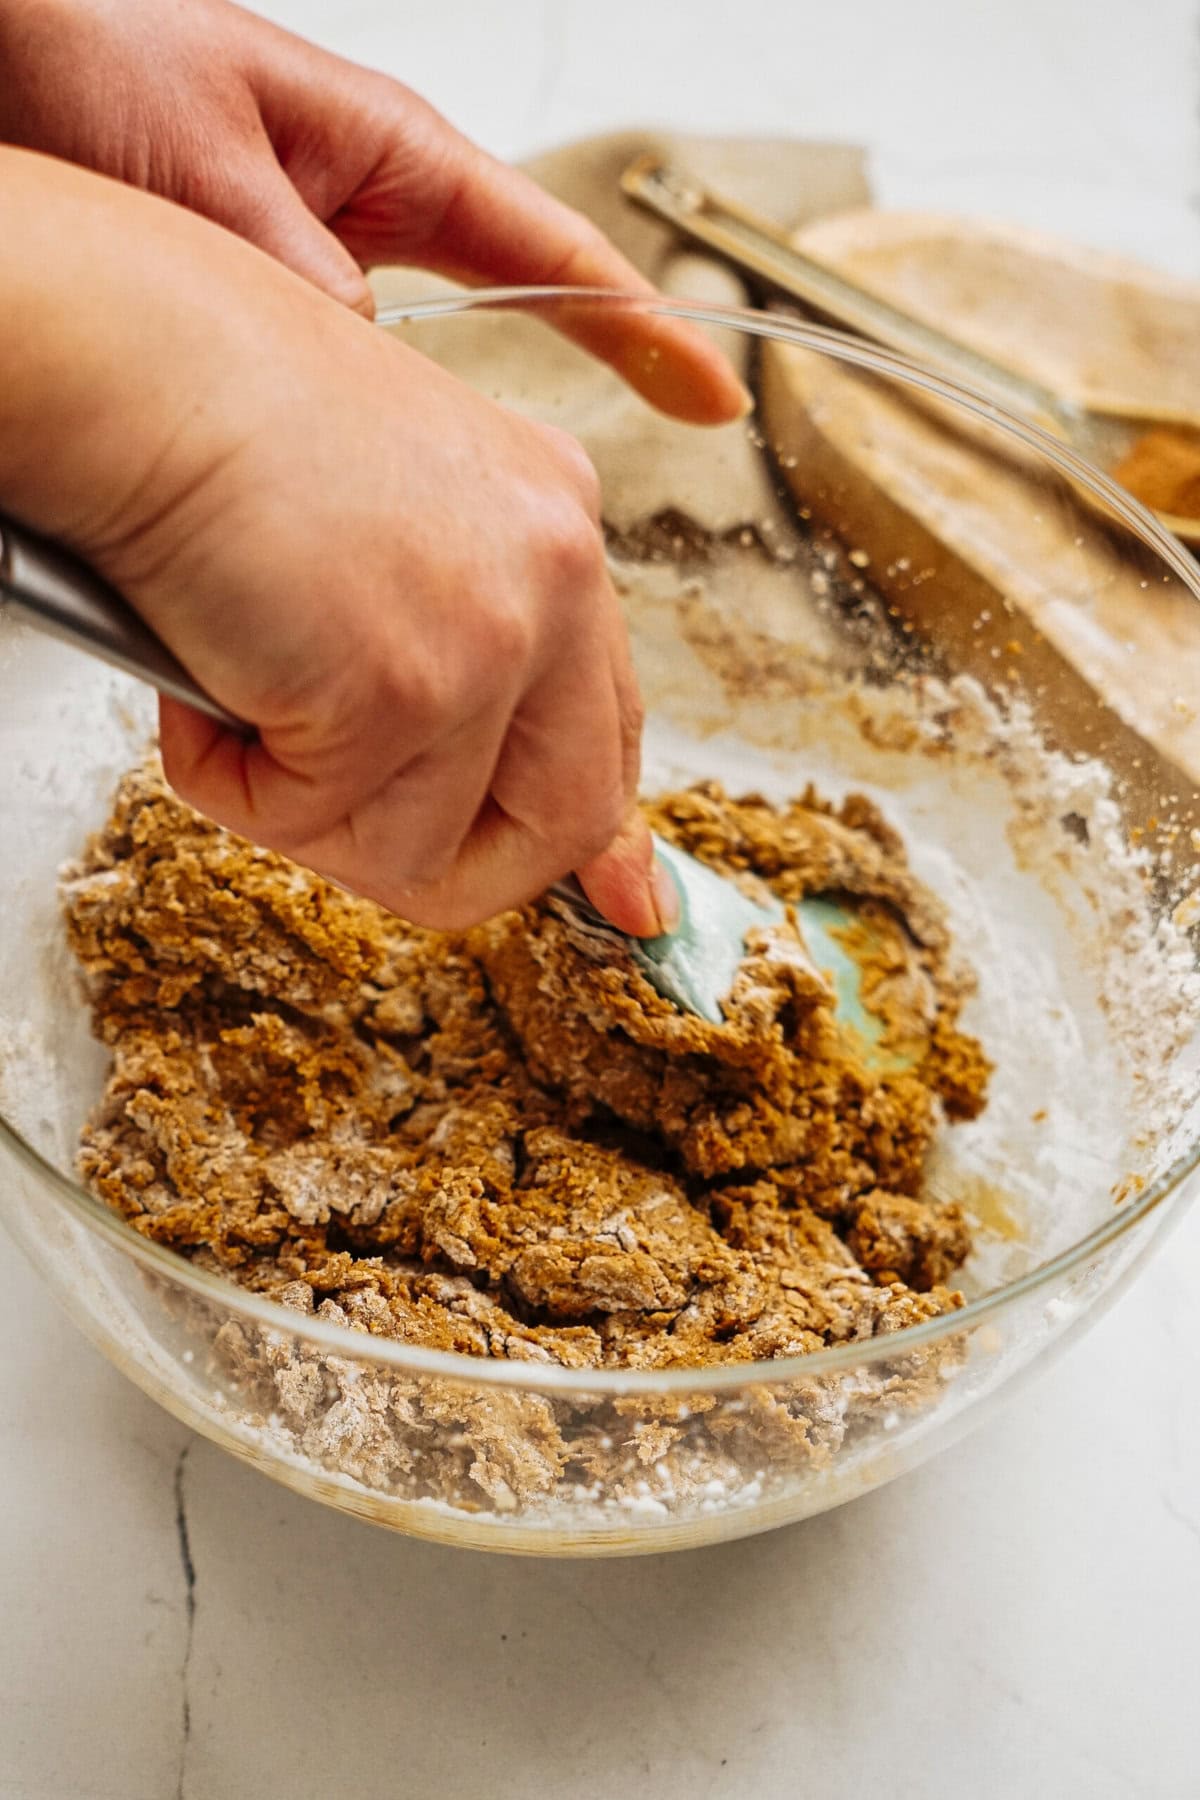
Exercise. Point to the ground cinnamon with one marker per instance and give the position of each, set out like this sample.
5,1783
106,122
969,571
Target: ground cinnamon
1162,470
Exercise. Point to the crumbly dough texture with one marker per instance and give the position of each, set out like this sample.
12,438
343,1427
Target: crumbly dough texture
504,1141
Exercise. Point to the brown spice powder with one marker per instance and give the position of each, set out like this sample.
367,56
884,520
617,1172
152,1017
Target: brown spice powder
1162,470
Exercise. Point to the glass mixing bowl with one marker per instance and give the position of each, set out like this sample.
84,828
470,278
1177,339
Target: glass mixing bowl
875,582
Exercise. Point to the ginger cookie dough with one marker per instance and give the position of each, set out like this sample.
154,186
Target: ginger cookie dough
504,1141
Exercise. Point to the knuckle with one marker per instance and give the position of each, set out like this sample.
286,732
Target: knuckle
592,844
570,551
461,915
412,699
440,906
577,466
608,826
597,815
585,246
416,867
632,715
613,810
504,637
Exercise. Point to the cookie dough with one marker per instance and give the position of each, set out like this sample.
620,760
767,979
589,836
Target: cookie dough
503,1141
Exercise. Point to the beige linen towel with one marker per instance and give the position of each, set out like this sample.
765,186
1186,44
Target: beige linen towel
647,464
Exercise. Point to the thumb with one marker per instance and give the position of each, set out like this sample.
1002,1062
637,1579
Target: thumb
279,222
629,885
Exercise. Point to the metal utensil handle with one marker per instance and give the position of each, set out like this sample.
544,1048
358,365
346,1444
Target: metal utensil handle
59,595
757,247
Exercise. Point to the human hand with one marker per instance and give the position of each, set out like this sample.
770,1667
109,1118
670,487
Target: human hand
329,167
400,584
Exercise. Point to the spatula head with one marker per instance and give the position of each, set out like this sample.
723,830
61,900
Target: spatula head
695,965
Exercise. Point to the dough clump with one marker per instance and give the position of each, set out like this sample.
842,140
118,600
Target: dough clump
504,1141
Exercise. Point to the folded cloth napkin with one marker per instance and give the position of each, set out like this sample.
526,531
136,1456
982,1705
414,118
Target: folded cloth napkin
783,178
648,465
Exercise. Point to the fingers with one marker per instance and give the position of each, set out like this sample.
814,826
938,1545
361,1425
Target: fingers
563,794
268,211
501,227
483,822
625,882
403,820
327,167
206,764
431,197
412,831
396,183
448,720
628,884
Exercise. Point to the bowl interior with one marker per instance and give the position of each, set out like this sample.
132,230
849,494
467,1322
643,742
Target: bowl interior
775,649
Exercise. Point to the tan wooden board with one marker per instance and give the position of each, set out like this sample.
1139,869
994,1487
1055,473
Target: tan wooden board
997,565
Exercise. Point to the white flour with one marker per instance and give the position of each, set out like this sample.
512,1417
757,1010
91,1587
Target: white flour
1085,1004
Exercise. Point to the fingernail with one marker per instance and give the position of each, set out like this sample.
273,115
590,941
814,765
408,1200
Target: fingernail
690,381
665,896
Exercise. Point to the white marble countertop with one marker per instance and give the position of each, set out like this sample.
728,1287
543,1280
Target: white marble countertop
1019,1619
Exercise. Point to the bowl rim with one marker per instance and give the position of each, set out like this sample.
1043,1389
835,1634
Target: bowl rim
535,1374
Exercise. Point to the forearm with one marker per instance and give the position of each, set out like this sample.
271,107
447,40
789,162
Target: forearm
110,345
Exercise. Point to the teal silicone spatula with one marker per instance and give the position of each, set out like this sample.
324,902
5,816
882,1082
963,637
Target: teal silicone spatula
695,965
